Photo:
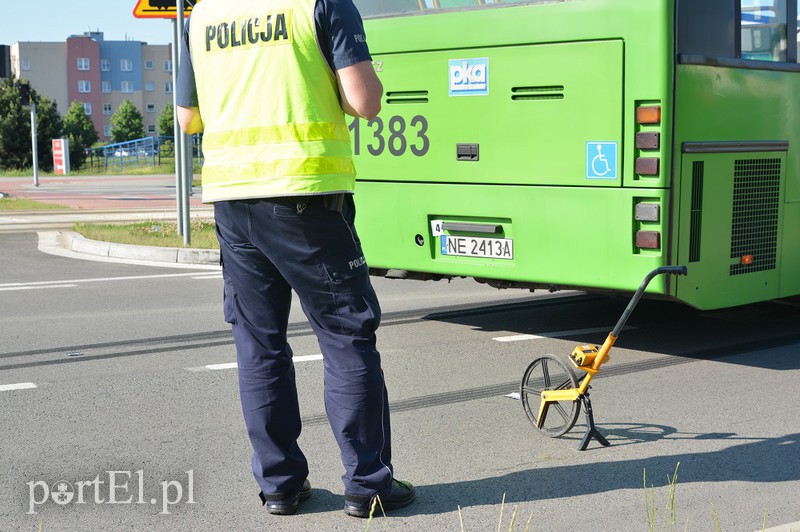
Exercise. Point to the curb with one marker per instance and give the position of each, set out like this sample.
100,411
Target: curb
79,244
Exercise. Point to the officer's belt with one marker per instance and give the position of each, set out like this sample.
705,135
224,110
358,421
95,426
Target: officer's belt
332,202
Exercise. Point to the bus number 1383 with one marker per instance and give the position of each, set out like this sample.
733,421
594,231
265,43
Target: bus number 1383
392,134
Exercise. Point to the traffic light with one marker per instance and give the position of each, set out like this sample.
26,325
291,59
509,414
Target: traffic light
24,94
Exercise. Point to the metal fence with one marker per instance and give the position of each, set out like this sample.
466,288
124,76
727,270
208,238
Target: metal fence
147,151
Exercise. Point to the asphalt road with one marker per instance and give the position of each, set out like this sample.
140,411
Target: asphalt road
121,374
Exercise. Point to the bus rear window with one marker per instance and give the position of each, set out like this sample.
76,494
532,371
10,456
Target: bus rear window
382,8
764,29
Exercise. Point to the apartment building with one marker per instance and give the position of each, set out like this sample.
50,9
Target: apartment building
100,74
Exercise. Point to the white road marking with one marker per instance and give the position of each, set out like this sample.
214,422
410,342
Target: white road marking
210,276
513,395
234,365
217,367
788,527
18,386
12,288
554,334
63,283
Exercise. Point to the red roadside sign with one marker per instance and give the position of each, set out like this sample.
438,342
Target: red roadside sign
61,156
161,8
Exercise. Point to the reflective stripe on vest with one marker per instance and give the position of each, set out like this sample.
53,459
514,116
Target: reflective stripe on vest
273,124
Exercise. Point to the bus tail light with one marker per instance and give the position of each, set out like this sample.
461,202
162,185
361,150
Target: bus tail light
650,114
647,166
648,140
648,239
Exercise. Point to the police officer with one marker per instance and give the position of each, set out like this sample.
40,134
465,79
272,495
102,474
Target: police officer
268,82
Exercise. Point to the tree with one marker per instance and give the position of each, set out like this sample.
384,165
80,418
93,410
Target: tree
166,121
127,123
15,128
166,128
81,133
49,126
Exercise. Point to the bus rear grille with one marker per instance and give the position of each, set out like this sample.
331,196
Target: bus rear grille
756,197
407,97
696,216
544,92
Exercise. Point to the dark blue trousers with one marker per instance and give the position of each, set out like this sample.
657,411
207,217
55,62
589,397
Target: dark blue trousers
270,247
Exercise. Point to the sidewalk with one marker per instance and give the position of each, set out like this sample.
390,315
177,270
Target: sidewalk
102,192
108,198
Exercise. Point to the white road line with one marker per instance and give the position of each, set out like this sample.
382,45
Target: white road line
18,386
13,288
212,276
513,395
553,334
217,367
46,284
788,527
234,365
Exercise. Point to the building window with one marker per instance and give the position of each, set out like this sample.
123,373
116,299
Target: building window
106,108
83,63
150,86
106,131
151,108
151,128
126,65
84,86
168,87
167,66
105,65
105,87
25,63
148,65
87,108
127,86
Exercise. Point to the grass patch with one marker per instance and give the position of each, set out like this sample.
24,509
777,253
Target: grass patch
18,173
167,167
669,521
151,233
25,204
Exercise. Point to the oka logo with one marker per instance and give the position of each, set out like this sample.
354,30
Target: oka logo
469,77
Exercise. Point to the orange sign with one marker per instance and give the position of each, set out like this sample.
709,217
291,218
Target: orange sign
161,8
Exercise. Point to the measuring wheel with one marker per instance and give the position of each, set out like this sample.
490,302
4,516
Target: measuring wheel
548,372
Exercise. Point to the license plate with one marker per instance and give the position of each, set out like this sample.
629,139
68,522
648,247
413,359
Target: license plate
473,246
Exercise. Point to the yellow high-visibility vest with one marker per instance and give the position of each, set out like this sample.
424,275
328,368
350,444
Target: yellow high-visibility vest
273,124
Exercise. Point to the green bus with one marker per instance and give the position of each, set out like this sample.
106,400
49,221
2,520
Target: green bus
579,144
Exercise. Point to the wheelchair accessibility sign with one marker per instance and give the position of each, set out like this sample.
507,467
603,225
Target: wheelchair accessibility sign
601,160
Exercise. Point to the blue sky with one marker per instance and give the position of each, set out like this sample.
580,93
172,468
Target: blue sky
55,20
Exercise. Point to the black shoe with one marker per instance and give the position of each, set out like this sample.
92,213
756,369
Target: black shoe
282,505
397,495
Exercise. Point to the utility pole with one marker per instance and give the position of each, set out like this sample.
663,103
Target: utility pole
25,99
183,182
34,147
186,170
180,180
